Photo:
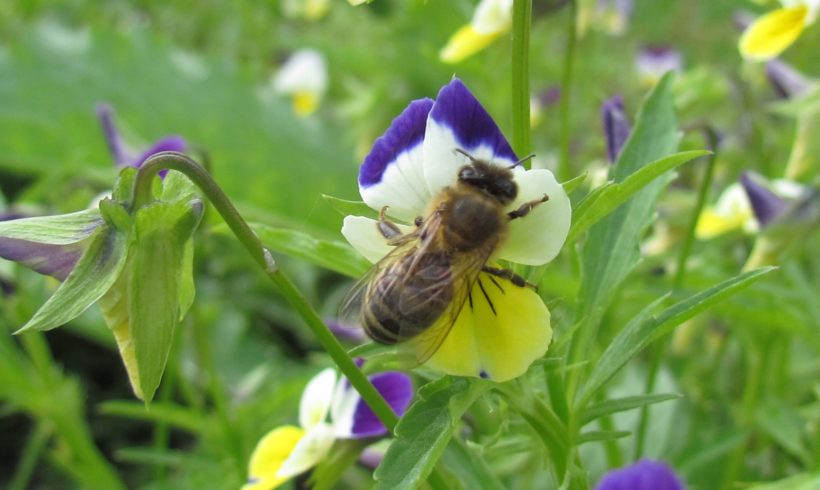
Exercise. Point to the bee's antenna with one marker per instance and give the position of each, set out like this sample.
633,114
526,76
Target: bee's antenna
522,160
459,150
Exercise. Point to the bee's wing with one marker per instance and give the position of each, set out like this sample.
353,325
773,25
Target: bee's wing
350,309
465,272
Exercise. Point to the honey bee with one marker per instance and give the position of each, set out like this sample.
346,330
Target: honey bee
432,269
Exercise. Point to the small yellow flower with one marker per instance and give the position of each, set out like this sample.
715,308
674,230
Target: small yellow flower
491,20
304,78
771,34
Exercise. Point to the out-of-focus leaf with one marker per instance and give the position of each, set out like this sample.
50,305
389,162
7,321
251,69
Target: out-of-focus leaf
785,426
177,416
91,277
609,407
805,481
602,435
425,430
336,256
469,467
646,327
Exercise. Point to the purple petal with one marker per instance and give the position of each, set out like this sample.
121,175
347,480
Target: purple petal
549,96
458,109
168,143
643,475
112,137
766,205
616,126
405,133
397,390
654,61
785,80
49,259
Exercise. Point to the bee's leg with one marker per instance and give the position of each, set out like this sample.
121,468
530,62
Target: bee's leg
525,208
418,221
510,276
387,228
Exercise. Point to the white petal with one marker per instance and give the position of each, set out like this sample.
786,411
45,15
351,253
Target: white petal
363,234
316,399
345,400
309,451
305,70
492,16
402,187
537,238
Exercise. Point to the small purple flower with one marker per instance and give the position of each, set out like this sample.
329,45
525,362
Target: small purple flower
616,126
123,155
766,205
654,61
643,475
785,80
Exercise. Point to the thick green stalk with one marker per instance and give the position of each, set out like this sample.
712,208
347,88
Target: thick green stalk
564,170
263,258
659,352
522,18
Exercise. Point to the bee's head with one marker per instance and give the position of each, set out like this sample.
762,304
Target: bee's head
491,179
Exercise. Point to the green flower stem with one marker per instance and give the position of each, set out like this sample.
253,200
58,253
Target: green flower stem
263,258
564,171
659,353
522,17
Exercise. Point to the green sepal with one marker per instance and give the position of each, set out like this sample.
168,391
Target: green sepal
425,430
115,214
155,283
63,229
124,186
93,275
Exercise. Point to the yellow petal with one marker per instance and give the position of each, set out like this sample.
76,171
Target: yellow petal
465,43
499,336
772,33
271,451
305,103
711,223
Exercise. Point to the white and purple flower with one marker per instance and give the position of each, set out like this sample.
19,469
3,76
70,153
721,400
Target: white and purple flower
418,157
330,409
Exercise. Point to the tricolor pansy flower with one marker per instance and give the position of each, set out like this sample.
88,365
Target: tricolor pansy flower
775,31
303,77
749,205
491,20
642,475
417,158
330,409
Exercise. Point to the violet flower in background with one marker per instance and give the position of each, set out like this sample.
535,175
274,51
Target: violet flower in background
654,61
787,82
616,126
124,155
766,205
643,475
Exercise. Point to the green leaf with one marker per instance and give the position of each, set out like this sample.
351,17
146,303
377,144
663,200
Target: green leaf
155,275
327,473
177,416
611,249
605,199
574,183
349,208
336,256
425,430
469,467
95,272
784,425
646,327
805,481
63,229
602,435
609,407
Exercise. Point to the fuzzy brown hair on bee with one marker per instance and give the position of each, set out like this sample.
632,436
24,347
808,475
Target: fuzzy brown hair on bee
431,270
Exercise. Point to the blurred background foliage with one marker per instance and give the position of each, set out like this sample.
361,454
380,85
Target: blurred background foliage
203,70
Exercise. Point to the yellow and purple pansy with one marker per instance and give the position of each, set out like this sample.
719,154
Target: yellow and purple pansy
330,409
419,156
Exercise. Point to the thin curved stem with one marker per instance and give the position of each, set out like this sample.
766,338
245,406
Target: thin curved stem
202,179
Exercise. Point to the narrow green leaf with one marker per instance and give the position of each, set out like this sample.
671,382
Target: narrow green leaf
607,198
805,481
644,327
469,467
602,435
425,430
95,272
574,183
349,208
336,256
62,229
609,407
174,415
327,473
155,271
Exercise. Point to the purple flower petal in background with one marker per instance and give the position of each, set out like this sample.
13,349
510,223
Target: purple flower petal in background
397,390
616,126
123,155
785,80
643,475
654,61
766,205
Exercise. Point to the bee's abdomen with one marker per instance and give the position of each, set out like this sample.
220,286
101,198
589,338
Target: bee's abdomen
408,298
